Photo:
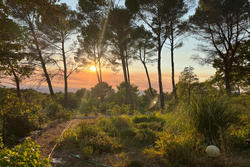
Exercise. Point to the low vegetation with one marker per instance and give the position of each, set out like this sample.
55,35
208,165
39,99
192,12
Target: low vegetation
177,138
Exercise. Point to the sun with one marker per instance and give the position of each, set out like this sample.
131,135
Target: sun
92,68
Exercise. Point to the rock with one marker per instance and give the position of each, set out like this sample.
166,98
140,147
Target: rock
212,151
57,161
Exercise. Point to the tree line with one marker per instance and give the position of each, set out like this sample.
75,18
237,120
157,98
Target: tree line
35,35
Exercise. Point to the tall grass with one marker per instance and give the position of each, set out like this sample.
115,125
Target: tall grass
212,116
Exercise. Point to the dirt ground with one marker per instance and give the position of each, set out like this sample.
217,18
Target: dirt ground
47,139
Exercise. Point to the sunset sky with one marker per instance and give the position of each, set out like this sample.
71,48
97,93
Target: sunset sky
87,78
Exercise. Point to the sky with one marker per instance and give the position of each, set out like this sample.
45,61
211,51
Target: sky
87,78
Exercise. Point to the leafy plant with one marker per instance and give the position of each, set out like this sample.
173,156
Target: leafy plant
24,155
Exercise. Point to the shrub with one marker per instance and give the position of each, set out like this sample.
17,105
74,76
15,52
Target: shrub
18,119
154,122
73,101
52,109
107,126
145,137
88,106
120,127
63,115
103,143
119,110
177,144
236,137
87,130
148,118
155,126
237,134
212,117
118,160
99,141
174,150
23,155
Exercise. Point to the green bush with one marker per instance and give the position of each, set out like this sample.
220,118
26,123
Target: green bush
119,110
212,116
237,134
144,137
103,143
88,106
56,111
23,155
174,150
73,102
18,119
148,118
93,138
120,127
69,139
52,109
155,126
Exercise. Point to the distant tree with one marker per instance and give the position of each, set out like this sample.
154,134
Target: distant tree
82,93
144,44
187,82
148,100
101,90
222,26
29,12
59,23
120,96
15,61
153,14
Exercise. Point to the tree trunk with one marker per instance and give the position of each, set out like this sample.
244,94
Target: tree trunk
160,78
148,77
172,63
17,81
128,94
41,60
227,81
97,73
65,73
100,69
96,69
127,68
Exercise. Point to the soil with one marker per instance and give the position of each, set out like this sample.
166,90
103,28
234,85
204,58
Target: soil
48,138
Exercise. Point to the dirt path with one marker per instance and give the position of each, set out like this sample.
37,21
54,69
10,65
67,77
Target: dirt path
48,138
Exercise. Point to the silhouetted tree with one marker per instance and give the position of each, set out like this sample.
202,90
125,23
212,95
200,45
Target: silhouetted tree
15,60
145,47
153,14
177,27
222,26
29,12
120,21
59,23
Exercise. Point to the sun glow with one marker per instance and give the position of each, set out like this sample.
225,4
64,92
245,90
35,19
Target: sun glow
92,68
